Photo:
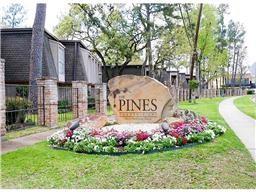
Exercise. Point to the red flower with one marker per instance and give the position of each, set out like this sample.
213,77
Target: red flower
69,133
204,120
141,136
184,140
174,134
176,124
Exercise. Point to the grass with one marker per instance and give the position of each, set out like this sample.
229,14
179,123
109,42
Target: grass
223,163
24,132
246,105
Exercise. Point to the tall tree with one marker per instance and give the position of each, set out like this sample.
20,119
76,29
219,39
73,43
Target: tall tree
36,55
145,14
108,30
14,15
222,41
236,35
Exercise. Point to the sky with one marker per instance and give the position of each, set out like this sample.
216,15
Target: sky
240,10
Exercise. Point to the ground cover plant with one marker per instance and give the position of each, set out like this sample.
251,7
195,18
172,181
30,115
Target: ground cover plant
186,128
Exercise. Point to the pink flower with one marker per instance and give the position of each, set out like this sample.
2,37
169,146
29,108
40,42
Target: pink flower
95,132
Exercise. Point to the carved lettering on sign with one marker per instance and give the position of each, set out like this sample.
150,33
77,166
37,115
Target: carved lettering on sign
139,99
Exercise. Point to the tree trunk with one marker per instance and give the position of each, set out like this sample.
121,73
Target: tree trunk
177,86
144,66
194,54
236,64
148,46
36,54
121,70
150,60
233,66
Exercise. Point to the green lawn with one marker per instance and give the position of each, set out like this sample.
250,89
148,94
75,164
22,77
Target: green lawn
27,131
246,105
223,163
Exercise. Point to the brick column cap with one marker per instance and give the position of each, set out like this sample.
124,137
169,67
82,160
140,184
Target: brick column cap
80,81
100,84
41,81
46,78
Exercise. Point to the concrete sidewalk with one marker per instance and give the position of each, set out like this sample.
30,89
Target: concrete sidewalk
14,144
240,123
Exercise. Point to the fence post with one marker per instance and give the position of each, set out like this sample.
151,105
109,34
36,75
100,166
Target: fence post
101,98
2,99
181,94
48,98
79,98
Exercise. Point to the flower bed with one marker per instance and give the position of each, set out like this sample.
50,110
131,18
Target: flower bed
188,129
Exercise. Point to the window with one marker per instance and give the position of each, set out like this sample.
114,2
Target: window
58,53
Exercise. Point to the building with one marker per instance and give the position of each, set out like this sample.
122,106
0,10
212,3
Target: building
80,63
62,59
130,69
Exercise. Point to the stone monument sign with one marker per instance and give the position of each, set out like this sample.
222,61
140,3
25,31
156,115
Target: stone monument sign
139,99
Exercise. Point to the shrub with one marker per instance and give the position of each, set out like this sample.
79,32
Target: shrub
22,91
91,102
250,92
16,108
64,106
193,84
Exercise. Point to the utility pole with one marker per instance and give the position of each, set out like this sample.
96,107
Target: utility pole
194,54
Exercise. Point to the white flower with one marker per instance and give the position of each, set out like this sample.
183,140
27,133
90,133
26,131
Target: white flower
211,132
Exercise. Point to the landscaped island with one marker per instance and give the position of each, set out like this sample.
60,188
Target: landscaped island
183,128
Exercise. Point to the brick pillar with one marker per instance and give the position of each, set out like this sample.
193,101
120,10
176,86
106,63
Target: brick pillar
101,98
2,98
79,98
48,102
